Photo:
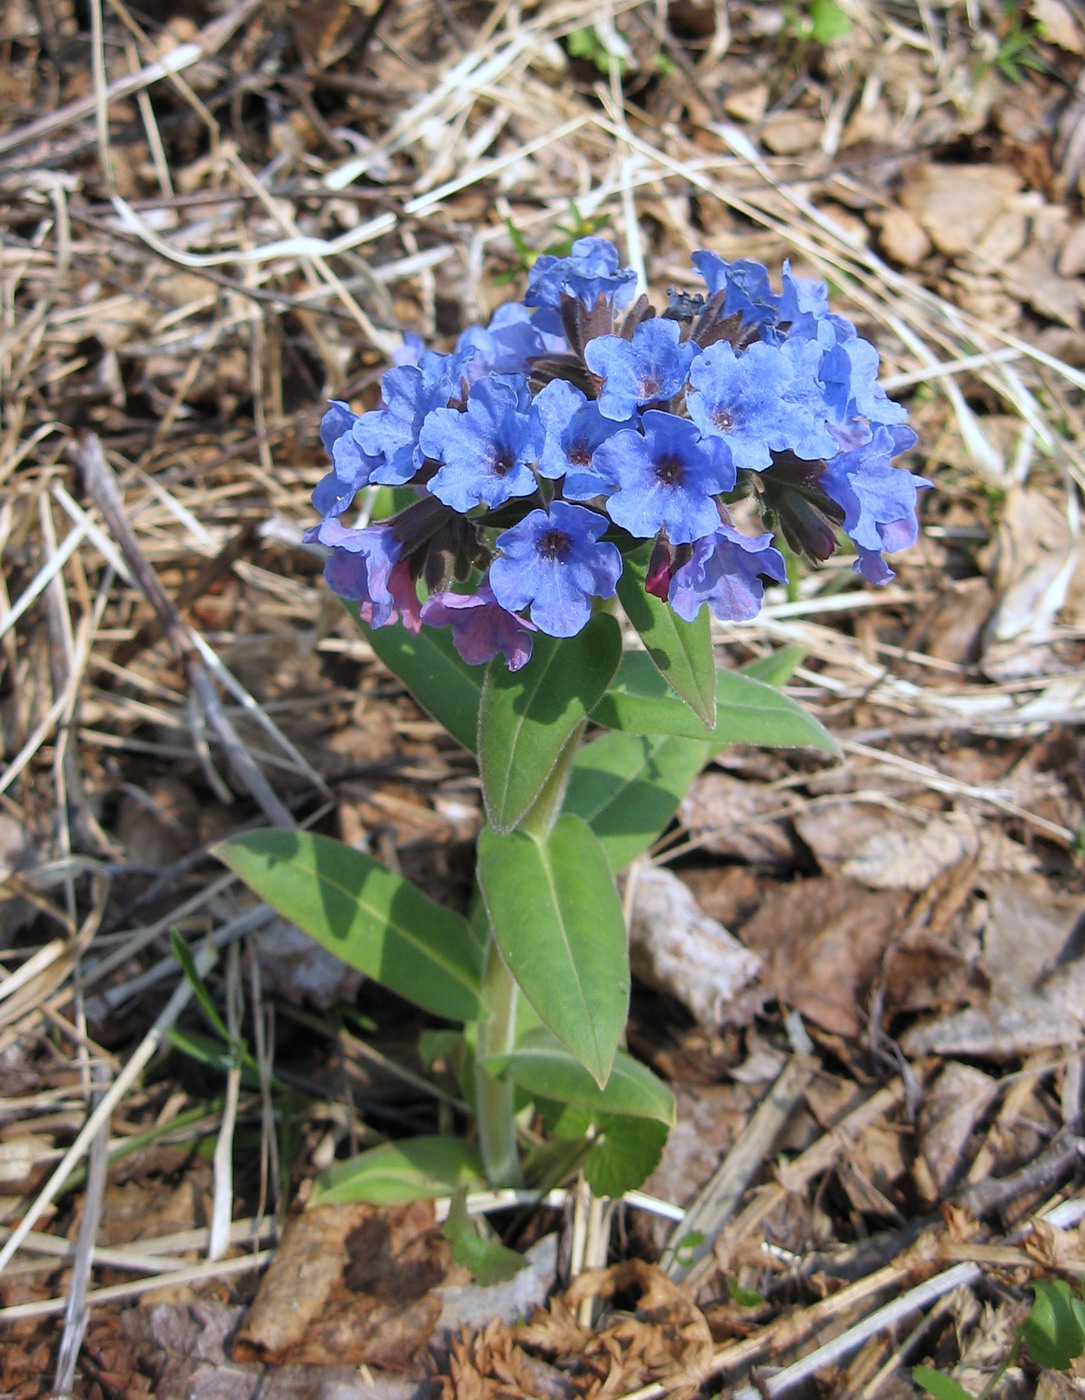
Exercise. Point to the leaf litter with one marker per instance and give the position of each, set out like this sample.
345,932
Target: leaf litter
229,214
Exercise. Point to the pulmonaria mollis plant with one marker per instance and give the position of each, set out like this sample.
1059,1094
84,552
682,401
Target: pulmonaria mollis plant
576,425
579,455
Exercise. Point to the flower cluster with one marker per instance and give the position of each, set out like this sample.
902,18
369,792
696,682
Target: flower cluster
579,423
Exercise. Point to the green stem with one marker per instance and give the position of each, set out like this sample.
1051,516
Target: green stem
494,1096
497,1031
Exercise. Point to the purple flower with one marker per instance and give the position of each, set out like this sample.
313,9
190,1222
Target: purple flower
878,499
590,272
365,566
760,402
481,627
488,452
726,571
650,368
664,479
411,393
553,562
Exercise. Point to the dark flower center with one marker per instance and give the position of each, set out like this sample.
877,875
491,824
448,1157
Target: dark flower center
723,419
670,469
650,386
554,544
503,462
580,454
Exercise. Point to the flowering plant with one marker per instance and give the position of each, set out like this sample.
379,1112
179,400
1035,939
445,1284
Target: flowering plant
577,450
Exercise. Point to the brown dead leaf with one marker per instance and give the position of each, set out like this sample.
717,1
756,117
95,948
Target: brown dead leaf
678,949
956,1102
350,1284
823,940
913,859
956,204
1037,994
1036,553
725,815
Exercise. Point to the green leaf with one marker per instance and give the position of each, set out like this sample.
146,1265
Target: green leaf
624,1155
777,668
681,651
750,712
827,21
183,953
373,919
527,716
1052,1329
558,922
488,1260
203,1049
744,1297
641,702
397,1172
542,1066
939,1386
434,672
627,787
747,710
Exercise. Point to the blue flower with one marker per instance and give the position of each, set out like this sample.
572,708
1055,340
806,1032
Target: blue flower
574,429
650,368
664,479
590,272
352,467
746,287
763,401
411,393
848,369
481,627
508,344
726,570
487,452
554,562
878,499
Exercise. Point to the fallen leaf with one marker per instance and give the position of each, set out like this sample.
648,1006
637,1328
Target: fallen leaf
956,204
823,941
725,816
351,1284
913,859
949,1114
676,948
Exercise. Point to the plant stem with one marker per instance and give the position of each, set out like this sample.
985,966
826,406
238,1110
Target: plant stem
497,1031
494,1097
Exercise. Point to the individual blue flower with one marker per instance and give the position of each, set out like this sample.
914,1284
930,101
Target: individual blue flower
481,627
411,392
591,271
803,302
665,478
366,566
726,570
488,452
574,429
650,368
554,563
746,287
878,499
759,403
351,466
508,344
411,351
848,369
